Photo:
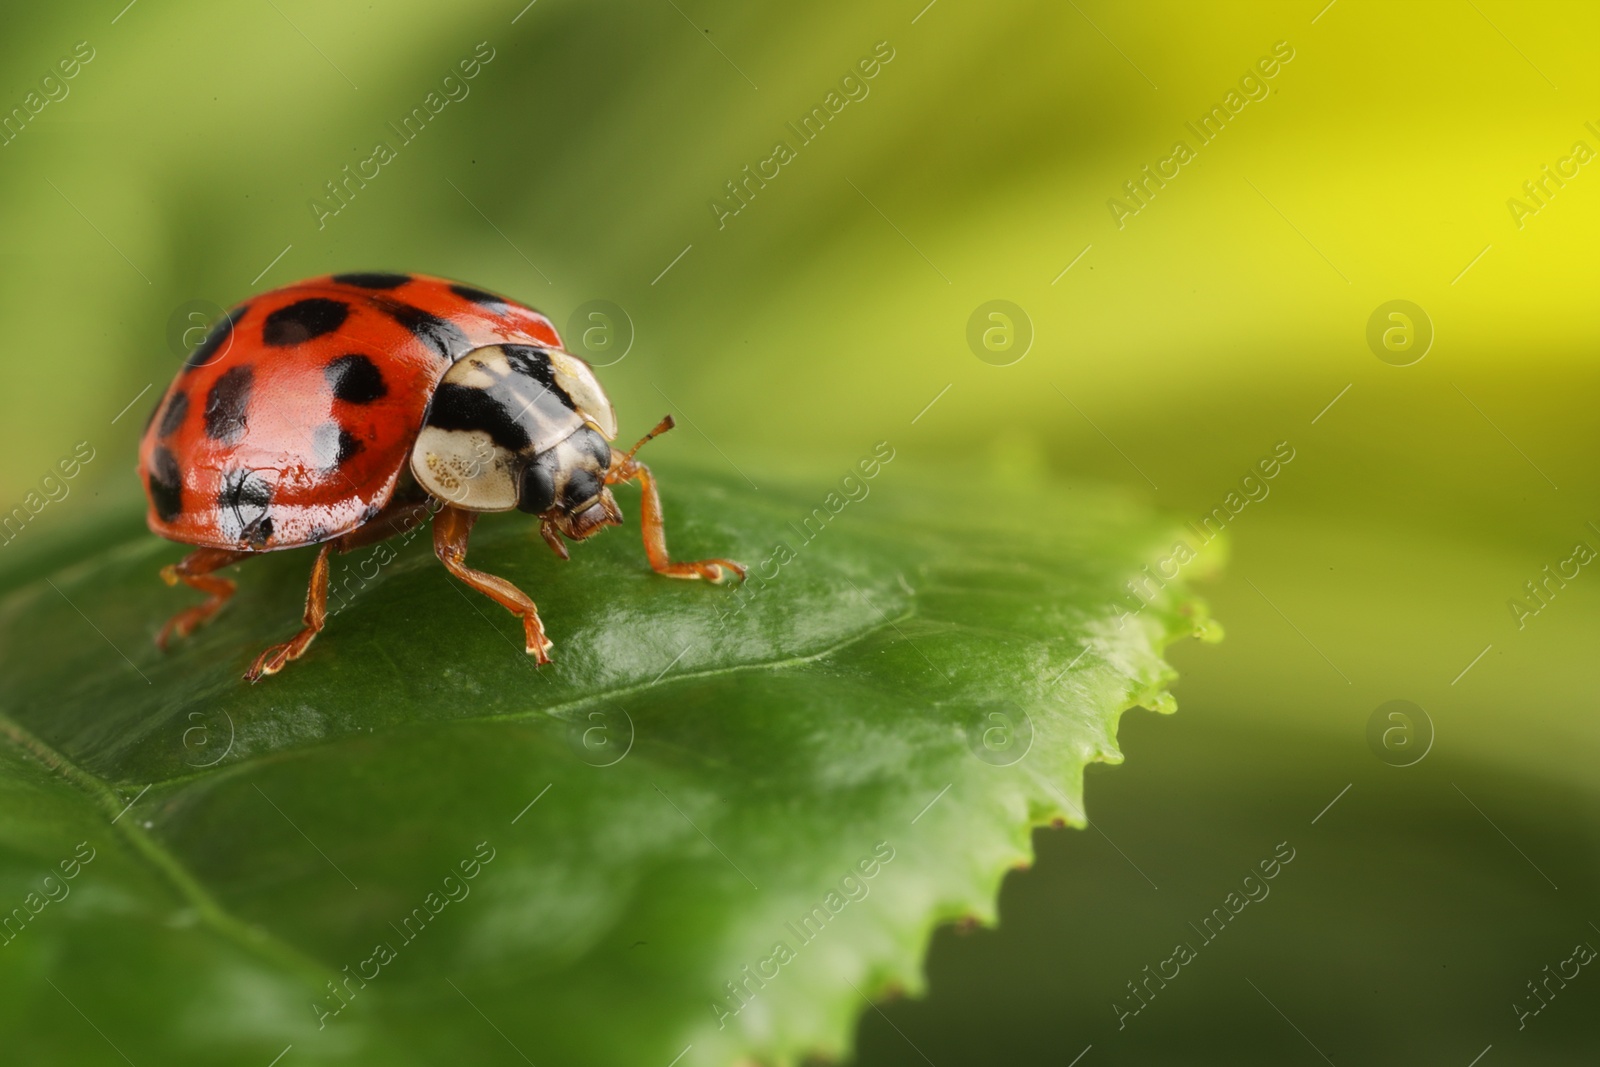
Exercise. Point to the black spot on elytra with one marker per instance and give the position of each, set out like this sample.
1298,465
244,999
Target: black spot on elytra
333,445
459,407
478,296
177,408
243,503
372,279
444,338
303,320
166,485
227,403
356,379
535,363
348,446
212,347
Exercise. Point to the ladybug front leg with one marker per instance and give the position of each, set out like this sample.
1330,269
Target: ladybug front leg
195,571
277,657
451,529
624,468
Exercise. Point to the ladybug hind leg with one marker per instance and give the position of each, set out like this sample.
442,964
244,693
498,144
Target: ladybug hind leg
451,529
277,657
195,571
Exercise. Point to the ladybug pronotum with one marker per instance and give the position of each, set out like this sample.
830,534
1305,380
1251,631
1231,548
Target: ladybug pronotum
342,411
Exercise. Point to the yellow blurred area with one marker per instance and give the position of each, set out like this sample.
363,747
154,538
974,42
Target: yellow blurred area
1379,166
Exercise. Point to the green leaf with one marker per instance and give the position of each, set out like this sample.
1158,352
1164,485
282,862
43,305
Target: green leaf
783,786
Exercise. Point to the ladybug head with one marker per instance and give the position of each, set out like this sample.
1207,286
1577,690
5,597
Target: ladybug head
566,485
517,427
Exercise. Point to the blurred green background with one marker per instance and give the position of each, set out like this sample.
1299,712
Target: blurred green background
1178,349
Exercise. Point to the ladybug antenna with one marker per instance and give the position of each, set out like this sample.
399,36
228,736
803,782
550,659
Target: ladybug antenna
661,427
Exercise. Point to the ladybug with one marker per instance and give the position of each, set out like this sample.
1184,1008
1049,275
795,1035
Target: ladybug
344,410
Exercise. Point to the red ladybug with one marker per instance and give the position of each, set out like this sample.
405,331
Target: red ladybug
344,410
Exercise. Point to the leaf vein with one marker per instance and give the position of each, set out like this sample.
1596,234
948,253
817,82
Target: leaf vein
251,938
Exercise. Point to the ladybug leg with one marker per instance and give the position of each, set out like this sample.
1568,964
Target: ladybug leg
451,529
195,572
277,657
547,530
624,468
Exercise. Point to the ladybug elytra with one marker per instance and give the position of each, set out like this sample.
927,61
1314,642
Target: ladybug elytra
342,411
